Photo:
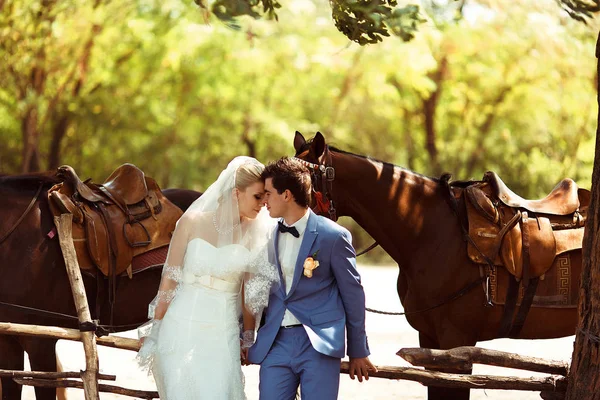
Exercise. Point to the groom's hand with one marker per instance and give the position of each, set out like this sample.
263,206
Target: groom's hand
244,357
360,367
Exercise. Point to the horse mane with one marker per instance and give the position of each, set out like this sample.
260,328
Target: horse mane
385,163
31,180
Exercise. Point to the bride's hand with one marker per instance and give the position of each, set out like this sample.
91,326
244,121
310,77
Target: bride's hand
244,355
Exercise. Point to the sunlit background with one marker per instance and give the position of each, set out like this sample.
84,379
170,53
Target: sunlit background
501,85
508,87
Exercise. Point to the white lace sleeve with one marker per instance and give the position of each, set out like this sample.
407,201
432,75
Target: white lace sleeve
169,284
261,279
167,290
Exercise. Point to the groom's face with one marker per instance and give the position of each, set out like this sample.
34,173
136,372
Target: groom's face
274,201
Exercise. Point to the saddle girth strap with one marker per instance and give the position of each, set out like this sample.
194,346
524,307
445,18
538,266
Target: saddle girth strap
112,276
512,293
526,249
530,290
530,285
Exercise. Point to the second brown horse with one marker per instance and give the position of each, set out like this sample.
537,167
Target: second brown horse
409,216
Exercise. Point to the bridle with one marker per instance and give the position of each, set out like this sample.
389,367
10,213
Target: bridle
322,176
22,217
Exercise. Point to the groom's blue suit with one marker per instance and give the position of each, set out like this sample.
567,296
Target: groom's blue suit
329,304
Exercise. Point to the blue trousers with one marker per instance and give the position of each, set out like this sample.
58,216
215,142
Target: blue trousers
292,361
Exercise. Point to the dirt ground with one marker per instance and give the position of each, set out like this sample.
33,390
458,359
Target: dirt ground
387,334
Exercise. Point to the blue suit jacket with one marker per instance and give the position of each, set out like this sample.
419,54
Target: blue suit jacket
328,304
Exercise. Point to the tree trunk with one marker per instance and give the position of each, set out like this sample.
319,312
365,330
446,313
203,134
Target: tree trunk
31,138
58,133
484,129
429,113
584,380
352,77
409,142
246,139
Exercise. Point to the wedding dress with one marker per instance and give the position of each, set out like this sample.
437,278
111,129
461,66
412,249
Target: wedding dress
193,349
198,345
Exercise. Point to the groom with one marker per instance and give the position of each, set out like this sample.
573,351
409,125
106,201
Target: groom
320,298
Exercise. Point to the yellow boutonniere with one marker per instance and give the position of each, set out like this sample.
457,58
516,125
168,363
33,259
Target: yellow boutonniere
310,264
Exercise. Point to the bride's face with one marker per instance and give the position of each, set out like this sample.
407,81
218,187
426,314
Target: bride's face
251,199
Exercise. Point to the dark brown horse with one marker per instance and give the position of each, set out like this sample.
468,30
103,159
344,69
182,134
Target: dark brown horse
32,274
409,216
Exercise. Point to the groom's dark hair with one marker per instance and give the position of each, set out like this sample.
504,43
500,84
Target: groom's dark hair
289,173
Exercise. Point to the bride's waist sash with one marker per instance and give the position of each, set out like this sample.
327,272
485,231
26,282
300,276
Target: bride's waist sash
210,282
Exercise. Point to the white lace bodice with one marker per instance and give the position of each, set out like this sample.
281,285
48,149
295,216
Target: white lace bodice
227,262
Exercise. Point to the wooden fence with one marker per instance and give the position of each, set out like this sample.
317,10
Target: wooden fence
462,358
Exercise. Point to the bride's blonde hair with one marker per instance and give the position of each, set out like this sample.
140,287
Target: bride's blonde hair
247,174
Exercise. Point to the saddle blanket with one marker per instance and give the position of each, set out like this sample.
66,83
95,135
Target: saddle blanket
559,287
149,259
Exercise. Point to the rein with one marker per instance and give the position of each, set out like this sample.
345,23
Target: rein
22,217
371,247
450,298
99,329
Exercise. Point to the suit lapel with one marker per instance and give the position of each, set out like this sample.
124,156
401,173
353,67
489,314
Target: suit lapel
310,235
278,264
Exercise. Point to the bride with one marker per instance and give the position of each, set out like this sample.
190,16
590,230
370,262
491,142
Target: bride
216,273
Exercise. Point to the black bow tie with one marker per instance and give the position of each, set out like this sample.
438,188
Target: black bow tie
288,229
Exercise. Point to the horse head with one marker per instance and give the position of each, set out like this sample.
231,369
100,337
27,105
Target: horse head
315,154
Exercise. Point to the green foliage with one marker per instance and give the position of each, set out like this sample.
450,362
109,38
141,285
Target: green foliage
161,88
368,21
362,21
580,10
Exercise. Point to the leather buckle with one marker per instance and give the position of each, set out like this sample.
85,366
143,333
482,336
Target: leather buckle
329,173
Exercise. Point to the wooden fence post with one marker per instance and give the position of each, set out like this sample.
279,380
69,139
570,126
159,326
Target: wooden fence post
90,375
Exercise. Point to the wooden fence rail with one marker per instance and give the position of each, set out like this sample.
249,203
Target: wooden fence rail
54,332
50,375
69,383
465,357
442,379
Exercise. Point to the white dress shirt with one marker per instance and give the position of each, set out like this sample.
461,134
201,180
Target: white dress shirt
288,248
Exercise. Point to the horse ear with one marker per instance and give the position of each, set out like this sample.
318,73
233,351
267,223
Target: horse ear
299,141
318,144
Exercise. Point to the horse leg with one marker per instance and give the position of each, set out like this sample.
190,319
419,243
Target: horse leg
441,393
402,284
12,359
42,357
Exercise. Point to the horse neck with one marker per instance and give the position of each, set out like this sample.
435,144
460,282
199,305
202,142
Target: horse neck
392,204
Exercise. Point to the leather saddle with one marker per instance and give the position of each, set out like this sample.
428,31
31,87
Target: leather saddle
113,222
524,236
